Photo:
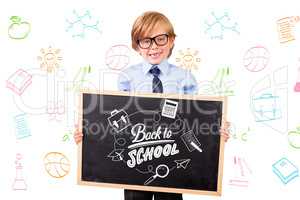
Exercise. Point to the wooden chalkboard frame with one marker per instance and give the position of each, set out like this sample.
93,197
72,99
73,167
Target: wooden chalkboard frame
153,188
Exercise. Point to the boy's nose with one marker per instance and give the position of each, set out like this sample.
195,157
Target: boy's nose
153,45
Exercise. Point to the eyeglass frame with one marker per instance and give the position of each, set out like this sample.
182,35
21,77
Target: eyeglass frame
153,39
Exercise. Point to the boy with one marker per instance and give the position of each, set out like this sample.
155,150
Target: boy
153,38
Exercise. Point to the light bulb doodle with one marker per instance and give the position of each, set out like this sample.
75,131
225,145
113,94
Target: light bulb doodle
188,59
50,59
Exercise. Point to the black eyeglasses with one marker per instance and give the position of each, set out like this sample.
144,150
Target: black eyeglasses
160,40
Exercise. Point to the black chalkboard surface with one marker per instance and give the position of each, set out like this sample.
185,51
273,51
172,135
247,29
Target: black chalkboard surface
152,142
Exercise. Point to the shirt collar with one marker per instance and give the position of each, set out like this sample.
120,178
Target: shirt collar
163,66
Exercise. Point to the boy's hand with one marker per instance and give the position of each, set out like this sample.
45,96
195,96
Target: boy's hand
224,131
78,136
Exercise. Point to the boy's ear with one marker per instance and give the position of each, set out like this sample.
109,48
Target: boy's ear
138,51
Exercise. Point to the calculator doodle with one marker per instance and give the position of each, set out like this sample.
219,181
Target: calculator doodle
169,109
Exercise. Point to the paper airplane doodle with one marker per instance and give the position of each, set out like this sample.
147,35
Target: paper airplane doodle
183,163
116,155
190,141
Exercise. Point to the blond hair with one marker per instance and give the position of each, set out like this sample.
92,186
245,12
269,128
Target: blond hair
146,22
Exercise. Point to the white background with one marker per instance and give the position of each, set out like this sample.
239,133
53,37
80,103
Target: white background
257,26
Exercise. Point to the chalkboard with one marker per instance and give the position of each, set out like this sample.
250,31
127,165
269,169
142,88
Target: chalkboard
152,142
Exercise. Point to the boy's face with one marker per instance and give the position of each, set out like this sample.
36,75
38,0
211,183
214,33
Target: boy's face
155,54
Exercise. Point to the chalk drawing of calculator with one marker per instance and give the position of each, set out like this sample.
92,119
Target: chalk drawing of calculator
169,109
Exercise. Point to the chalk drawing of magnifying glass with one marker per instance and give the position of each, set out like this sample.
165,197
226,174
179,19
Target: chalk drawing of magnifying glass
162,171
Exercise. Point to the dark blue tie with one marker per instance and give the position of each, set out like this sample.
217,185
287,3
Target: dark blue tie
156,83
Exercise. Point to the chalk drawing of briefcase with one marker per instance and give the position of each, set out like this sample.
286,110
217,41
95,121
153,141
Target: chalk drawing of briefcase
119,120
267,107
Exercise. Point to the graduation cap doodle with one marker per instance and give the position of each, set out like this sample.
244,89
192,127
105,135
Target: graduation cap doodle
116,155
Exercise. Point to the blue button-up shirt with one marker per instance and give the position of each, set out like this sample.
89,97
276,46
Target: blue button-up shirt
175,80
